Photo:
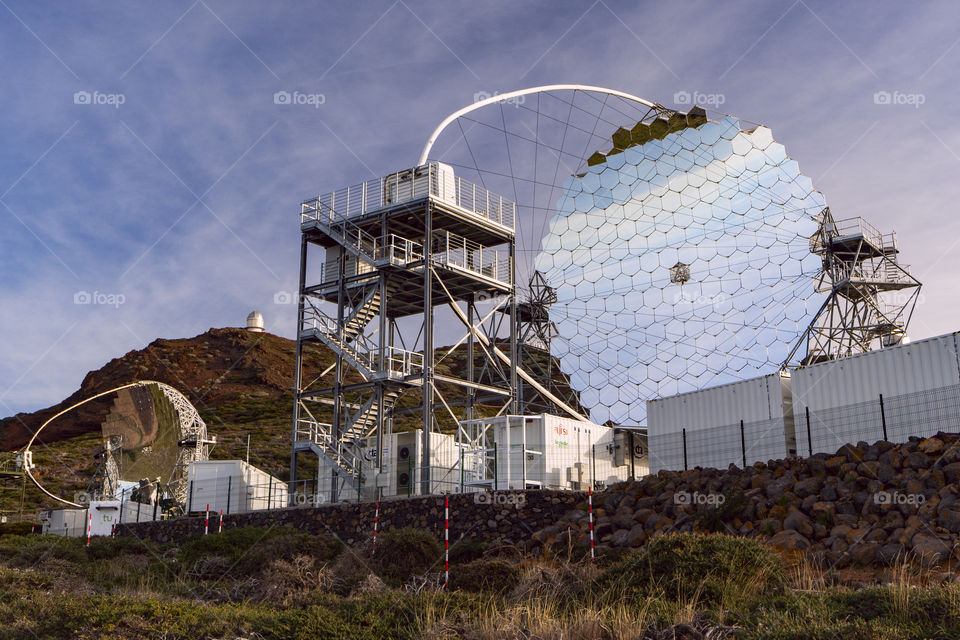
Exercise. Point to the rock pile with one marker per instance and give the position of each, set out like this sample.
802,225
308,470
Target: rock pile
867,504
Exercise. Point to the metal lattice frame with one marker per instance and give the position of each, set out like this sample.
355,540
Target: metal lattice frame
870,295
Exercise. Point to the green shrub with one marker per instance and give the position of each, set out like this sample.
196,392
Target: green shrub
711,569
17,528
403,553
714,519
107,548
247,550
484,575
467,550
40,548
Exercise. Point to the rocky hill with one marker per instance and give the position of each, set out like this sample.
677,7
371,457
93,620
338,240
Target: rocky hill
240,382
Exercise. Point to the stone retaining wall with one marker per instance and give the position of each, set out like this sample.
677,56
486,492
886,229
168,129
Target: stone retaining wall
491,515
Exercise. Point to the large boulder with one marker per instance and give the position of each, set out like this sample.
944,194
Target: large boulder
789,540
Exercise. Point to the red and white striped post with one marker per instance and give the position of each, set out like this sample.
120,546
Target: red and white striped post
206,523
376,521
89,528
590,511
446,542
220,527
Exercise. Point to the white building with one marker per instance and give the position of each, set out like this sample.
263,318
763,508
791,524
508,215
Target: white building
233,486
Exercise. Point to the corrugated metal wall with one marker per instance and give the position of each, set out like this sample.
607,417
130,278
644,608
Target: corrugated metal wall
712,420
919,382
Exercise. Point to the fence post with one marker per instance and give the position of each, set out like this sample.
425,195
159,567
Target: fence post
155,503
360,482
121,507
495,473
461,470
593,464
590,515
139,504
883,419
409,476
683,432
743,445
229,490
633,461
446,542
270,493
809,437
190,498
376,522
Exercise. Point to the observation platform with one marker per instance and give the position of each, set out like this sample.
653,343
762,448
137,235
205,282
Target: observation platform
458,206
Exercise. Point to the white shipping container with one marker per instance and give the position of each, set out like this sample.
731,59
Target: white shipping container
710,421
64,522
414,183
233,486
105,514
547,451
919,382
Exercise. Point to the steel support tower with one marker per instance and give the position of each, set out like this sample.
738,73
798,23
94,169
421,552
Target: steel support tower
870,295
405,259
535,332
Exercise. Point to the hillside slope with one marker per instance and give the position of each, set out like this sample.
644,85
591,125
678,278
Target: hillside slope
240,382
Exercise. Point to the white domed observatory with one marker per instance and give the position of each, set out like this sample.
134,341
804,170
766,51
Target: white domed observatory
255,322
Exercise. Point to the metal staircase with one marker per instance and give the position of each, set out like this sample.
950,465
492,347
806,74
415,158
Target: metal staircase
345,453
366,417
361,316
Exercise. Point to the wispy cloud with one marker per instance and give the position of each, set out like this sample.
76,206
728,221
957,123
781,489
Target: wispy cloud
199,78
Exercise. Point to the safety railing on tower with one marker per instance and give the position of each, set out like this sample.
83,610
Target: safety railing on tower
435,179
453,250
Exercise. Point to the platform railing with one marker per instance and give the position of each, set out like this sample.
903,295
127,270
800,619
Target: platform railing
454,250
398,250
410,184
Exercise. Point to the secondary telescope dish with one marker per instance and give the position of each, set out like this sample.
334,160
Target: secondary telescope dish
150,432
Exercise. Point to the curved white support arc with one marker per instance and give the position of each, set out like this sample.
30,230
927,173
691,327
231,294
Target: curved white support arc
521,92
41,427
189,421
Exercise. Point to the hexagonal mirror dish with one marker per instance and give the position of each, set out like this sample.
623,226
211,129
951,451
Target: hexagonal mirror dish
709,241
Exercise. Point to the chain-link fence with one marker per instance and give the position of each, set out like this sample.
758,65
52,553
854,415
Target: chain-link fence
234,493
889,417
741,443
894,418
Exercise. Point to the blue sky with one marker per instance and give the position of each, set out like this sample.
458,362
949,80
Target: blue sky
183,200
